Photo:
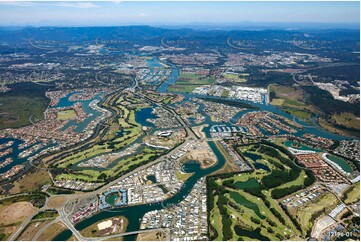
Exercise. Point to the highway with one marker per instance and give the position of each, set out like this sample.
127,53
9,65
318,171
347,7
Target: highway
78,236
65,220
37,235
191,135
22,226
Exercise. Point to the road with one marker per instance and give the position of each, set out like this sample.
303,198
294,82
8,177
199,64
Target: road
37,235
78,236
188,128
28,219
65,220
72,197
22,226
191,135
16,195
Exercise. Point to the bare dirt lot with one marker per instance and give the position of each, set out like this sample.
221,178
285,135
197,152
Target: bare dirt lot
56,202
152,236
16,212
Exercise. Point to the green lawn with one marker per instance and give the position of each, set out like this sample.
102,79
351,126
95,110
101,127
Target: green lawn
348,120
250,209
251,206
132,131
304,115
187,82
189,79
352,194
324,204
299,181
66,114
235,77
182,88
225,93
216,220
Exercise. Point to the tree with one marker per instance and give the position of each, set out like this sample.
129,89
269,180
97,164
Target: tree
102,176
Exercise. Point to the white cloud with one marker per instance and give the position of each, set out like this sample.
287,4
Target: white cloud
18,4
76,4
143,15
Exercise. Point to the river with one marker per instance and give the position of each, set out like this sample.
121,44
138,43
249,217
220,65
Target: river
135,213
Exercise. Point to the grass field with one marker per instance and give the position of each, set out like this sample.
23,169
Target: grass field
31,230
291,100
324,204
90,175
229,166
251,212
348,120
304,115
353,194
114,128
182,88
277,101
187,82
15,212
194,79
216,220
152,236
248,203
50,232
225,93
16,111
125,121
132,131
56,202
47,214
183,176
235,77
31,182
299,181
330,127
72,238
292,96
66,114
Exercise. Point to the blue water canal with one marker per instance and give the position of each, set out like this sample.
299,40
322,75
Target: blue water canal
80,127
315,129
135,213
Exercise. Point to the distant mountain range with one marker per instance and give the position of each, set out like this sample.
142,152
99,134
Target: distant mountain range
264,26
246,25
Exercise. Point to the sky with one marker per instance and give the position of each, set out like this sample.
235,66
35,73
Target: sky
105,13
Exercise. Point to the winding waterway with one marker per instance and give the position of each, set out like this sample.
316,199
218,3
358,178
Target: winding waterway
80,127
135,213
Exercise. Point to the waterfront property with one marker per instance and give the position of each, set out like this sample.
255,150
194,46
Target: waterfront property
113,198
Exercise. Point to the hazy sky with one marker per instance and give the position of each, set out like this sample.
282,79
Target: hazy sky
125,12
